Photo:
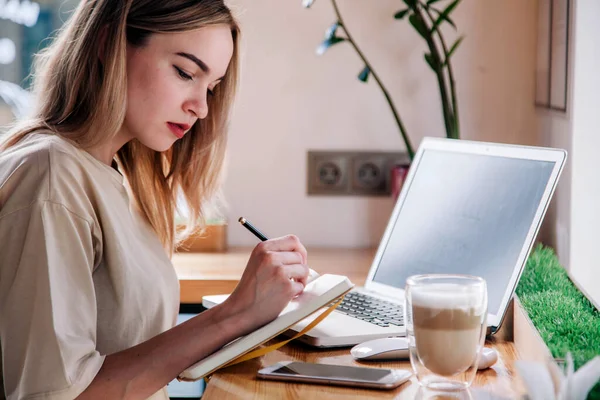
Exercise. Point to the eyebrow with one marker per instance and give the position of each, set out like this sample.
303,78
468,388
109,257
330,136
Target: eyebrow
201,64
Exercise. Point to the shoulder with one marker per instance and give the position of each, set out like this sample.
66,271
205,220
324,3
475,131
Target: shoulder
39,149
41,166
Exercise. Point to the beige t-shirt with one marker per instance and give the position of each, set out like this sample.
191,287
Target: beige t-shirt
82,275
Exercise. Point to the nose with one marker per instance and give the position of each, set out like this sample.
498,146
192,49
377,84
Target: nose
198,106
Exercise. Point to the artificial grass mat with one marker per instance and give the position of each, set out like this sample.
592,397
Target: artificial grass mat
566,320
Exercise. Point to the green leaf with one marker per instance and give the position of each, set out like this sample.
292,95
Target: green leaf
327,43
431,62
307,3
364,74
444,15
453,49
419,25
401,14
330,32
430,2
410,3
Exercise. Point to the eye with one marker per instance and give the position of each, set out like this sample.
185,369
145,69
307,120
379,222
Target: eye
182,74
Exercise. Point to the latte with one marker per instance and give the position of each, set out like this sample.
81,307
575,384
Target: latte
448,323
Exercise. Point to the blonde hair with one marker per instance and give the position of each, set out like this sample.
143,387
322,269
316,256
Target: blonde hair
83,100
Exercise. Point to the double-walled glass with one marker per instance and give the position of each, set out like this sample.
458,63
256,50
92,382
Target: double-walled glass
446,321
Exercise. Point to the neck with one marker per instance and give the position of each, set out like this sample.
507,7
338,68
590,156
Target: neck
105,152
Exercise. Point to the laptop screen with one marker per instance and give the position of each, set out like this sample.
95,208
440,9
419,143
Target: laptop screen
465,214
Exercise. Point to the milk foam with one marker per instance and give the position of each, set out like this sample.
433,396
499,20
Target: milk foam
446,296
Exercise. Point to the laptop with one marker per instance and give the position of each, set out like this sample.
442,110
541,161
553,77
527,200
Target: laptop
465,208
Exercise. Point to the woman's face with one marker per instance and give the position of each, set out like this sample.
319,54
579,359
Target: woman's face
170,81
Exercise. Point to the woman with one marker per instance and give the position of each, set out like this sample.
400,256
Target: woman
133,98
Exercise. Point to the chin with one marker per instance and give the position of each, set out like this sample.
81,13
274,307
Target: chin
160,145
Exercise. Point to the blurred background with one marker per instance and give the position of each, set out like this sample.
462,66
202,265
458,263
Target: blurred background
292,101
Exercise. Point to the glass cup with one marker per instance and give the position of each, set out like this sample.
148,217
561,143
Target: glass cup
445,326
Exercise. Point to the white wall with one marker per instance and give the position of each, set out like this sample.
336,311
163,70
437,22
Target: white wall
585,201
555,131
572,224
291,101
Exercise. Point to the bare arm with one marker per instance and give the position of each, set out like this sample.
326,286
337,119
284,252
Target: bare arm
140,371
274,275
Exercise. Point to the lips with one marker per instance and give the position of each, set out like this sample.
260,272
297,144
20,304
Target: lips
178,130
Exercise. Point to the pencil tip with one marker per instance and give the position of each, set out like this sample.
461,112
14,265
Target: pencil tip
242,220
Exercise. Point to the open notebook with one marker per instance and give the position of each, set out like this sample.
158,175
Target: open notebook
317,294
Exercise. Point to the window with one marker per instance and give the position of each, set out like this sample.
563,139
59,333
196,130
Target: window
25,29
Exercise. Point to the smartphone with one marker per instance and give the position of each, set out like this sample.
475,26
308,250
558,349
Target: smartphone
376,378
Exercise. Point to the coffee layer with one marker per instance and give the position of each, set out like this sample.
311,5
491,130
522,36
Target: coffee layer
447,352
446,318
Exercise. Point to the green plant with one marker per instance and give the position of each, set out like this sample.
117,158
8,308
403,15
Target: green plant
566,320
426,19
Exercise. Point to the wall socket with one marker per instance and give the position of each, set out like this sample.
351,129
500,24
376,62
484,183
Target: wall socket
351,172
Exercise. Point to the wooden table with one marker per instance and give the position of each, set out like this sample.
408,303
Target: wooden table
203,274
215,273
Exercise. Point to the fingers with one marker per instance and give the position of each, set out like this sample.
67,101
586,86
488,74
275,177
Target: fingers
283,257
295,276
297,272
285,243
297,288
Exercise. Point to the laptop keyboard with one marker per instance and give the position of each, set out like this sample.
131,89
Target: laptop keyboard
371,309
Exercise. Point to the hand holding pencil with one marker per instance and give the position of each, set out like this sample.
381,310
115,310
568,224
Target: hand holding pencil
276,273
312,274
